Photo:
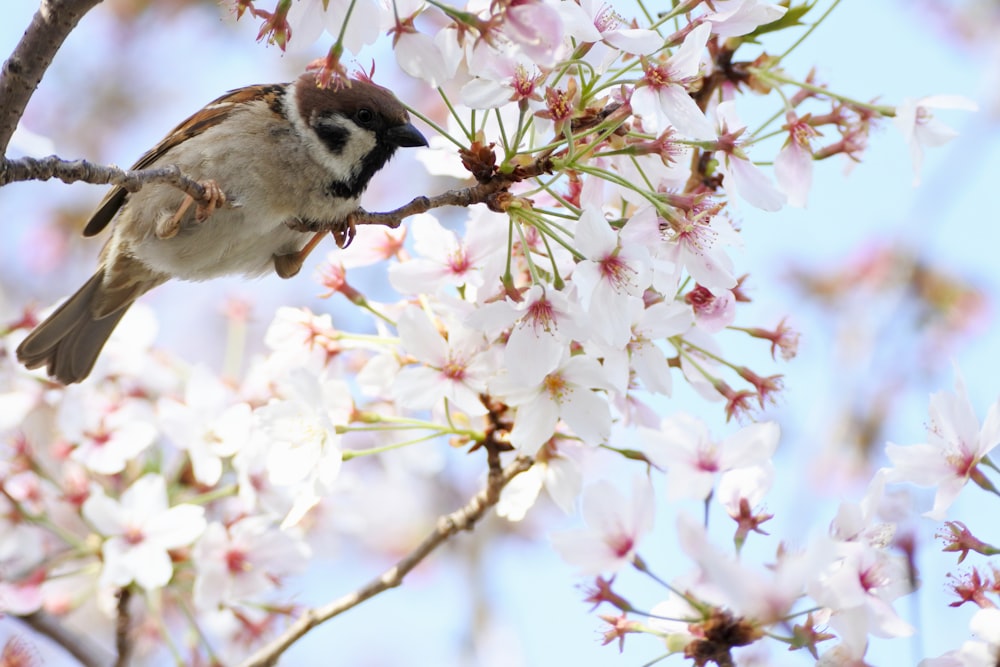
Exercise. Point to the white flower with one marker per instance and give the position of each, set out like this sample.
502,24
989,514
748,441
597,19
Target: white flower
919,127
615,527
141,528
956,445
108,431
209,424
693,459
304,450
733,18
559,475
665,95
544,323
740,175
444,260
239,562
596,20
455,368
612,278
565,393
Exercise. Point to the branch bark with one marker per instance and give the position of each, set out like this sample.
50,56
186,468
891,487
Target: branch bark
447,525
81,648
23,71
42,169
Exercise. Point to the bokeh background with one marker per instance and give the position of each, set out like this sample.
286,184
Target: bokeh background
892,288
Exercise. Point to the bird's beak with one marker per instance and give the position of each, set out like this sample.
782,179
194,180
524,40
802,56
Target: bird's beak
405,136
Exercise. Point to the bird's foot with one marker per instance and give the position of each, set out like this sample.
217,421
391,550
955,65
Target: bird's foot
214,198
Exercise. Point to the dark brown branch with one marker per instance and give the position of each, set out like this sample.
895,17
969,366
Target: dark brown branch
80,647
123,622
447,525
493,193
23,71
42,169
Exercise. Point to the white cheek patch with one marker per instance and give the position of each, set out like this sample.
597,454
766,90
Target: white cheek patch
341,158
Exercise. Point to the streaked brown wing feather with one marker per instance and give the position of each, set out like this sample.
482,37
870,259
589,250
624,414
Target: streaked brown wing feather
213,113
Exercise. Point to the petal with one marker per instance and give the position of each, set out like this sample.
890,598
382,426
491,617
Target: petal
421,338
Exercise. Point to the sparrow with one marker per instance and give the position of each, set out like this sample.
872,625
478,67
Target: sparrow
273,160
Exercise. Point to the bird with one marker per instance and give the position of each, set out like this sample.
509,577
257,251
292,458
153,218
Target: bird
273,159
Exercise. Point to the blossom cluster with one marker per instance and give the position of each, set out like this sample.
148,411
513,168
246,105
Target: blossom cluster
555,321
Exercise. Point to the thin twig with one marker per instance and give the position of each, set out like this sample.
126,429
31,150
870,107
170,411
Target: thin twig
493,193
80,647
123,621
23,71
73,171
447,525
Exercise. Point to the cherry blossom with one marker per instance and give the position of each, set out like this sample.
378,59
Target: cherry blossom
596,20
443,260
455,368
919,127
108,430
733,18
740,175
684,447
239,562
307,20
698,244
565,393
981,652
859,588
140,528
664,97
557,473
956,446
793,166
544,322
209,424
304,450
611,279
615,526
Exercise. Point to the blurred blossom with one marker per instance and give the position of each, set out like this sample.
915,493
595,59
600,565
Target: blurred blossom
919,127
684,448
615,526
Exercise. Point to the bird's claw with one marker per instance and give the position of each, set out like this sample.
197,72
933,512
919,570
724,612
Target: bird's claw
213,199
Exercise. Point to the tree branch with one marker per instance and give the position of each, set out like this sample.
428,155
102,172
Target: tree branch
492,192
42,169
23,71
80,647
123,622
447,525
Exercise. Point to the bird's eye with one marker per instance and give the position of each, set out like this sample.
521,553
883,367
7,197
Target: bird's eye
365,116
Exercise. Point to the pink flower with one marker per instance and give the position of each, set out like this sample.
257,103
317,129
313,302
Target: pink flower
956,445
615,526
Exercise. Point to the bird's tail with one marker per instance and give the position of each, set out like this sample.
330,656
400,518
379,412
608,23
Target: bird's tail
69,341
